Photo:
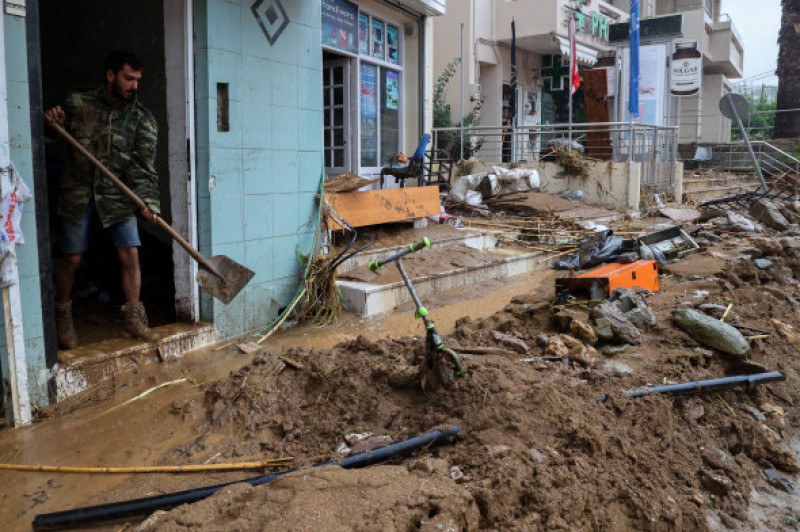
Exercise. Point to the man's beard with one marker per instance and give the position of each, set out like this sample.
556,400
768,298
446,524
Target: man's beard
126,96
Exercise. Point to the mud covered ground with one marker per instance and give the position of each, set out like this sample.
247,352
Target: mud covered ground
536,451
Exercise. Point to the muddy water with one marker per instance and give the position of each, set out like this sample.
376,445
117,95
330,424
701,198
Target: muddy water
142,432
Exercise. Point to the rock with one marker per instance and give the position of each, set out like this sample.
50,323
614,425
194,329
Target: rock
537,455
371,443
739,223
754,412
623,330
711,332
616,368
767,245
716,484
509,341
634,306
602,327
767,447
767,212
774,413
429,465
749,252
564,346
611,350
718,459
763,264
787,332
497,450
776,480
583,331
564,317
541,340
789,242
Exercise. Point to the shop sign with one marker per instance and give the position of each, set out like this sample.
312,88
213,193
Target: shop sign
592,23
339,20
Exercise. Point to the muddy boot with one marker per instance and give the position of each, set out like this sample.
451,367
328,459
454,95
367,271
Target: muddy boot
65,330
136,322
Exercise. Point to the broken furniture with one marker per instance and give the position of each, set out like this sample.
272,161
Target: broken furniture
371,207
673,242
598,284
413,169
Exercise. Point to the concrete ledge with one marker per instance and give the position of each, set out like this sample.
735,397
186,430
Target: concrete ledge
365,299
100,362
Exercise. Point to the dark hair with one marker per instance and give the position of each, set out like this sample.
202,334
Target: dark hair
119,58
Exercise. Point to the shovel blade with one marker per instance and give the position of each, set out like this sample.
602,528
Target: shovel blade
230,281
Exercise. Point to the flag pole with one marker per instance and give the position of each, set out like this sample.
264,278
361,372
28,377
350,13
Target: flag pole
571,67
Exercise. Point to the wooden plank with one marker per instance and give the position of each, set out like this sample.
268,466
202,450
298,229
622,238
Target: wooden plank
598,143
372,207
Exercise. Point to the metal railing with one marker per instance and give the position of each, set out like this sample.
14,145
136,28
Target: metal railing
655,147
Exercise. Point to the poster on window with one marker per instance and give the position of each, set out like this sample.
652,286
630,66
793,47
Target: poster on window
377,39
392,44
363,34
339,25
368,102
392,90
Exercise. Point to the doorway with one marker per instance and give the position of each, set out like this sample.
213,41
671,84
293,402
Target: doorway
336,96
76,37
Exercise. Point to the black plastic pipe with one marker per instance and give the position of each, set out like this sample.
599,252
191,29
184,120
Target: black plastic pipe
118,510
723,383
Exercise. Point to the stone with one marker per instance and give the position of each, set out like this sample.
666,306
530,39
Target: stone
564,346
763,264
749,252
777,480
623,330
583,331
711,332
602,327
611,350
787,332
634,306
767,212
754,412
716,484
616,368
739,223
509,341
767,245
541,340
789,242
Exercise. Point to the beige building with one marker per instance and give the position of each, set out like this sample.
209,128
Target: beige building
542,41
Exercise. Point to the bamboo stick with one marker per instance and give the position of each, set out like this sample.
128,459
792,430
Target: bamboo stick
150,469
556,255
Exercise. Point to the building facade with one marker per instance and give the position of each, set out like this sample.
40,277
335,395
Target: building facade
256,102
542,59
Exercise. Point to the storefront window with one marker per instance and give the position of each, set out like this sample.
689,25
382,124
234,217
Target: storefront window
390,113
392,44
368,103
377,39
363,34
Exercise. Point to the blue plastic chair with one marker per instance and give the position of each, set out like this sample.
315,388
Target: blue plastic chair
415,164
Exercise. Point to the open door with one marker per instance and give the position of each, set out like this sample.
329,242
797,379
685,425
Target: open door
76,37
336,114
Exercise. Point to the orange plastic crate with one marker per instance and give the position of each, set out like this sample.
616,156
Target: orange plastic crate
601,281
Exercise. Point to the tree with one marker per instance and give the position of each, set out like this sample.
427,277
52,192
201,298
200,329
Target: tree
449,140
787,124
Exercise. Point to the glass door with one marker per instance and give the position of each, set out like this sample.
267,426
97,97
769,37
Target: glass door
336,116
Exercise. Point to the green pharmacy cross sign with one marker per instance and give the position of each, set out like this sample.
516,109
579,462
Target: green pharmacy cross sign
555,71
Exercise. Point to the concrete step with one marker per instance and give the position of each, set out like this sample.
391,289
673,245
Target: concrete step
368,299
90,365
712,193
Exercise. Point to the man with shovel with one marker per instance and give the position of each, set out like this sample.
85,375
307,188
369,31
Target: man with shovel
109,122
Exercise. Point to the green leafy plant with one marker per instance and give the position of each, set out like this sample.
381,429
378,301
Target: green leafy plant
449,140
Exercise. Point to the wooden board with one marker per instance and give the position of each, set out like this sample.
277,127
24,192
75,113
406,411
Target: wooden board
598,142
372,207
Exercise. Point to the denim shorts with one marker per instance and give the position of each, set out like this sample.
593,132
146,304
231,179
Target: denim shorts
75,236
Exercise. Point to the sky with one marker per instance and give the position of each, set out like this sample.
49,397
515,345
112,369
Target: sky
758,22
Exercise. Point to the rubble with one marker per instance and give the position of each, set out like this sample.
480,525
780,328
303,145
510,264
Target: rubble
765,211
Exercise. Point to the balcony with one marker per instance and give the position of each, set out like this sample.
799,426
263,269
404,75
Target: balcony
543,28
724,48
429,8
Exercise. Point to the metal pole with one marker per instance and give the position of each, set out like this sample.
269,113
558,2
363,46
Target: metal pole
461,87
747,142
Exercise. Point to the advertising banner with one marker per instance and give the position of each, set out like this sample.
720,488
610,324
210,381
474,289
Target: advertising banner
339,25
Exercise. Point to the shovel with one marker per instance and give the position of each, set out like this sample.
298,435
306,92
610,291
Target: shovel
220,276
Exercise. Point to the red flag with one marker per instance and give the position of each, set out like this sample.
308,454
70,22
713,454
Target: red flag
574,76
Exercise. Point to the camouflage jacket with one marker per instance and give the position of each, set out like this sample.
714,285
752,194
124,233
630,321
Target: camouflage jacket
124,140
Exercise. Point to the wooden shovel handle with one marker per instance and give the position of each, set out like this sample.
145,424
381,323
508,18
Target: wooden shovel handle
136,199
